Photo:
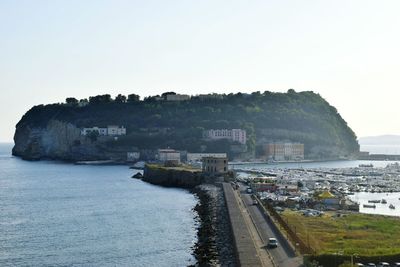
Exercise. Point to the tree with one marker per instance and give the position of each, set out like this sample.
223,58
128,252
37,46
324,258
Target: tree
71,100
100,99
133,98
93,136
164,95
83,101
120,98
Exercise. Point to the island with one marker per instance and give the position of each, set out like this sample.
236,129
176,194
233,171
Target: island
246,127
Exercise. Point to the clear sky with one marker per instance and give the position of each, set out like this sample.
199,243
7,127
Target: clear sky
348,51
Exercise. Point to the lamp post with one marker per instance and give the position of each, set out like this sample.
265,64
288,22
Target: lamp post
352,259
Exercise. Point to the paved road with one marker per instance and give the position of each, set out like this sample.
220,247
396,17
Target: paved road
283,255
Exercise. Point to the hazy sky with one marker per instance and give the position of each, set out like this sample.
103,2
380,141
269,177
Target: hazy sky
348,51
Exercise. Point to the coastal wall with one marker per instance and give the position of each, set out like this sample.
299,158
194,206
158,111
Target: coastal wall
172,176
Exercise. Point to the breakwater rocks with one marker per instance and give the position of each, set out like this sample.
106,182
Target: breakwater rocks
215,245
182,177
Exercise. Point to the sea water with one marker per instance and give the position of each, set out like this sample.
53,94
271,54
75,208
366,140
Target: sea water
57,214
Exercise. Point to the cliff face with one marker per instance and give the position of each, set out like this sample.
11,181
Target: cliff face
57,140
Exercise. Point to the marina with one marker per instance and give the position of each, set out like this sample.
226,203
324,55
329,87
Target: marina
363,187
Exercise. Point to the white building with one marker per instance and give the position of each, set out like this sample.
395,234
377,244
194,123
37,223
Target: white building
116,130
164,155
196,157
111,130
177,97
236,135
132,156
101,131
210,96
285,151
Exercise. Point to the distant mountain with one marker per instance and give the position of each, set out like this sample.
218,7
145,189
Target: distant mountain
380,140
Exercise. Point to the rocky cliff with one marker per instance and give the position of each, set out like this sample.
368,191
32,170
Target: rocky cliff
59,140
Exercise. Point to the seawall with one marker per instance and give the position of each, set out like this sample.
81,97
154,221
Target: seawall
172,176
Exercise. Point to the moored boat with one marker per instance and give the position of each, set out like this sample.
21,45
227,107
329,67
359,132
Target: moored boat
392,206
369,206
384,201
366,166
374,201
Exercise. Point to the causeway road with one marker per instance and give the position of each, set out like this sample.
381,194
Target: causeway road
284,255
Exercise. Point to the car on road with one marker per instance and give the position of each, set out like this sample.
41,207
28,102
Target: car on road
255,202
249,191
272,242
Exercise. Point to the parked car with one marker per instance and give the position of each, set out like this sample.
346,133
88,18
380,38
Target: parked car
358,264
272,242
396,264
371,264
383,264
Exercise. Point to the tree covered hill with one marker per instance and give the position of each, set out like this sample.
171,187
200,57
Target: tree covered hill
153,123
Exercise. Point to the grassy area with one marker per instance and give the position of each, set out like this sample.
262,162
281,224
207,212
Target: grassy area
181,167
354,233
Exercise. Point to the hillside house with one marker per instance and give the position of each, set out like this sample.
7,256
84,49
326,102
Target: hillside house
196,157
165,155
111,130
235,135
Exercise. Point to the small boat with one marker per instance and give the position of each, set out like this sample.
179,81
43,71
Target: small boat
365,165
384,201
392,206
369,206
374,201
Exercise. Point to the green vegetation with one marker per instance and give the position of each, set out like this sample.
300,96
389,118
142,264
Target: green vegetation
181,167
361,234
298,117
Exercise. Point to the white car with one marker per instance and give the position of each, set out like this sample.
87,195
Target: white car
272,243
383,264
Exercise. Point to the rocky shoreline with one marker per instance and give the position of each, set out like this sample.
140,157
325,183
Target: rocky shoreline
215,245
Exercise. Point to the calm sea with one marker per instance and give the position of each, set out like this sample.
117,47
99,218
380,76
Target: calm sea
55,214
383,209
381,149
